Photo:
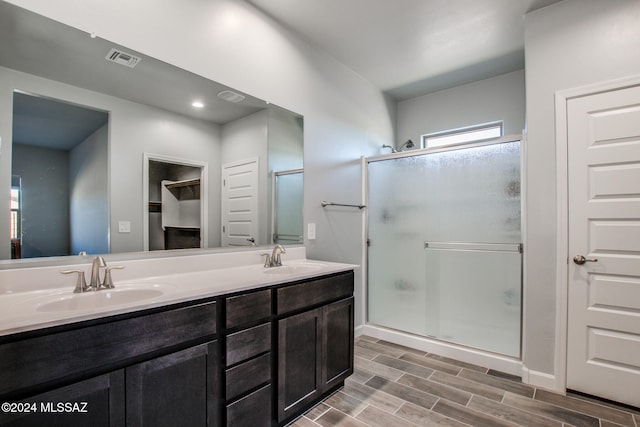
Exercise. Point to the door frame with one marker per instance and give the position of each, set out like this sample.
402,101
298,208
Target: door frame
562,98
204,195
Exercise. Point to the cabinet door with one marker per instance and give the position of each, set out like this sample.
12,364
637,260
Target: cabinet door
337,343
177,389
299,354
96,402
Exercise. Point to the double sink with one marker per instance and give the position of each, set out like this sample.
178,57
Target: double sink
35,309
128,293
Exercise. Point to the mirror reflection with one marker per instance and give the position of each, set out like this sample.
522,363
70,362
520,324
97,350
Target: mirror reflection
94,134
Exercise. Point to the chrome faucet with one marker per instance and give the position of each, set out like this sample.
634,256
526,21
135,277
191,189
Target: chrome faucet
96,265
94,284
274,259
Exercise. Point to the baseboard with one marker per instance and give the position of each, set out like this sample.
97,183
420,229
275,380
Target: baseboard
359,330
464,354
541,379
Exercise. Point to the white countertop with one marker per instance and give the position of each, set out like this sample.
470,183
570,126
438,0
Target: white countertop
29,308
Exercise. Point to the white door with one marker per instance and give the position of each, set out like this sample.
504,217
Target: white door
240,202
603,348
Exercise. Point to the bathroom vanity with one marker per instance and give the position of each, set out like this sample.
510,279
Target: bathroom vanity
259,356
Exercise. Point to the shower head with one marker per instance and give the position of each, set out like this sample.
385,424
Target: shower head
408,144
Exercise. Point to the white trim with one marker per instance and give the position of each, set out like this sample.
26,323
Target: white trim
523,239
204,195
464,354
562,97
421,151
424,139
540,379
364,261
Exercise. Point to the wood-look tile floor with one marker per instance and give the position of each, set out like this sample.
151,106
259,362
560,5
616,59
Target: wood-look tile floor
399,386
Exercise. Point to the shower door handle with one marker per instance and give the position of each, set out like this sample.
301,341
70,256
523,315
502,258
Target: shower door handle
580,259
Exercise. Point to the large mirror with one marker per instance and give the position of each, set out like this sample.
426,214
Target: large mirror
106,150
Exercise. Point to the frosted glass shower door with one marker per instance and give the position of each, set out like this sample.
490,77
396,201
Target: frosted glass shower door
287,206
444,257
473,294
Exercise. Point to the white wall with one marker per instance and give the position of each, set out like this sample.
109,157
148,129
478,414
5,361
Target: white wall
133,130
569,44
484,101
89,194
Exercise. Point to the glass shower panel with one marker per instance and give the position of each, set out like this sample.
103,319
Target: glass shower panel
396,285
473,296
288,199
460,196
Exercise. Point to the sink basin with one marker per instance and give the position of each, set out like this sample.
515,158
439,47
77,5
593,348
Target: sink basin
299,268
99,299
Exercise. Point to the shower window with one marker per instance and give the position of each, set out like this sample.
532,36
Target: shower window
466,135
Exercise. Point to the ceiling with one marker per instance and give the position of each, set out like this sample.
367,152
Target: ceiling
52,124
408,48
40,46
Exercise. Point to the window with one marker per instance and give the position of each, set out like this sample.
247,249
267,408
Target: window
465,135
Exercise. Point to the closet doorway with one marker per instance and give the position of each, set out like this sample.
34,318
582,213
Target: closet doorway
175,203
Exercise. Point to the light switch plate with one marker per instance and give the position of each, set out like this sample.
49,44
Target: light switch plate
124,226
311,231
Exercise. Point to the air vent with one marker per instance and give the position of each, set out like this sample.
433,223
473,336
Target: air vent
122,58
230,96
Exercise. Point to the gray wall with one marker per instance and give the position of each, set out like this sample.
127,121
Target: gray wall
286,147
494,99
89,194
345,117
45,200
133,130
246,138
570,44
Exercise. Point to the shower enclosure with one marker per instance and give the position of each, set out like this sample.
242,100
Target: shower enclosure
444,256
288,197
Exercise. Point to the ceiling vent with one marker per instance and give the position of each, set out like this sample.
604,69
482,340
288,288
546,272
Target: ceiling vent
231,96
122,58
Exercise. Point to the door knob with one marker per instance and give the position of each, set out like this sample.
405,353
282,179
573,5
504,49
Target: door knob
580,259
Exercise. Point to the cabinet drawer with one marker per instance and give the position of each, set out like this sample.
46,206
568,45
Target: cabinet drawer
247,308
248,375
248,343
307,294
253,410
69,354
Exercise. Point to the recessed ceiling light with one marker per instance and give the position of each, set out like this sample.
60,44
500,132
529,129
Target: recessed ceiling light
197,104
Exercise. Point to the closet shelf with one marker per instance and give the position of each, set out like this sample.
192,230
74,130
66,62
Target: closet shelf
185,183
188,189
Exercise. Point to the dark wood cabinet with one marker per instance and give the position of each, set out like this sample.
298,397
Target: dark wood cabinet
176,389
96,402
337,343
161,370
315,346
299,357
256,358
248,360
